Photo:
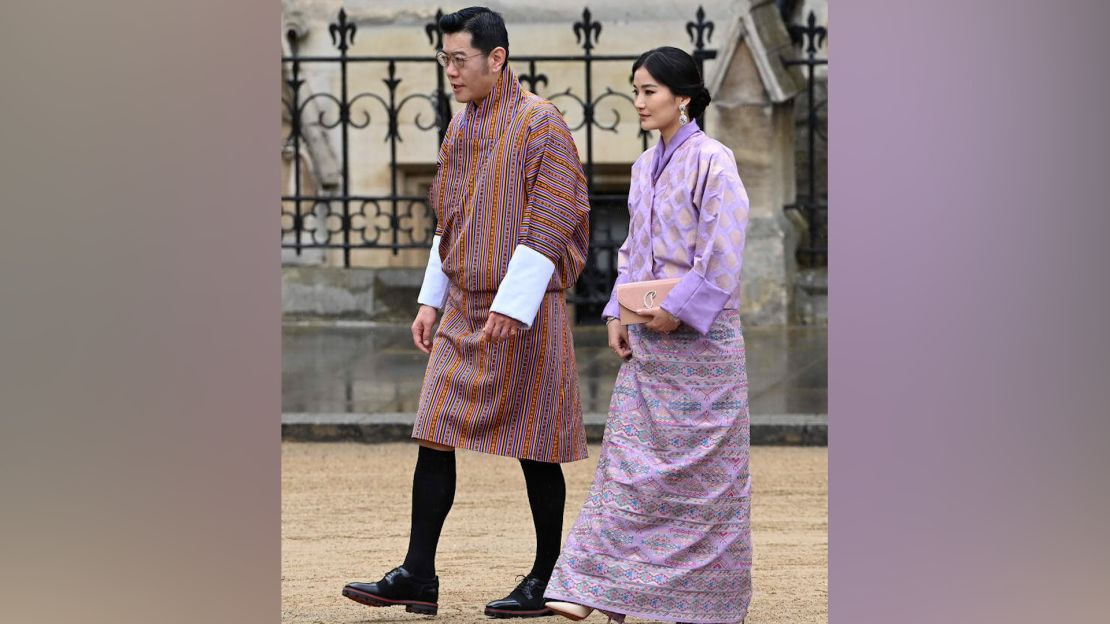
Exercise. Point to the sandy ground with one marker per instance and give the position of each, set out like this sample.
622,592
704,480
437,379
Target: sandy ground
345,517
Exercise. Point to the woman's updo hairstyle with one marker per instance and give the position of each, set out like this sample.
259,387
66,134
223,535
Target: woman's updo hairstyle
678,72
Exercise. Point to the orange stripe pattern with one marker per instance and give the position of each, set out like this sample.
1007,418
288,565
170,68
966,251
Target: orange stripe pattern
509,174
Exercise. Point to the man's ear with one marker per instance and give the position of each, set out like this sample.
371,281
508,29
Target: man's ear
497,58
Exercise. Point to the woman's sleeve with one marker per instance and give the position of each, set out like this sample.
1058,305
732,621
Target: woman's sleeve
612,308
718,249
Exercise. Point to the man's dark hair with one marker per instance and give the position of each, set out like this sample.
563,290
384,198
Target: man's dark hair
486,28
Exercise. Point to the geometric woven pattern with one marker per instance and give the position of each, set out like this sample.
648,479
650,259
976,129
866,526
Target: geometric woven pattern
690,222
665,532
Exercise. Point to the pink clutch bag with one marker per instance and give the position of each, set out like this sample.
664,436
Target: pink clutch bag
638,295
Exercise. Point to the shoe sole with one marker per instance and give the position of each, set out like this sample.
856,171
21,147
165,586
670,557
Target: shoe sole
503,614
370,600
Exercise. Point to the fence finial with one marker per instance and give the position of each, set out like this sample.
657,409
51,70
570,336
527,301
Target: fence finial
588,29
701,27
811,33
434,32
342,32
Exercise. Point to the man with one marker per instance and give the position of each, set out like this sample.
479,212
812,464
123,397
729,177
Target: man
512,235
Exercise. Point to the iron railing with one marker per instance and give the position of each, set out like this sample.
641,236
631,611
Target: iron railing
342,218
813,202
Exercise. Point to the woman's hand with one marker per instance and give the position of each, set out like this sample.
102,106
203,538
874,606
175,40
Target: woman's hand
661,320
618,339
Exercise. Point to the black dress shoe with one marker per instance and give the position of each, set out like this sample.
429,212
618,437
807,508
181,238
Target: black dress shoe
524,601
398,587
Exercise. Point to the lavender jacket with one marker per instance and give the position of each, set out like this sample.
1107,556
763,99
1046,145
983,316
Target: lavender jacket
688,212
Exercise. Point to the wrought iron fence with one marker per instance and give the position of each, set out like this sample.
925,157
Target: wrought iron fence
812,203
342,218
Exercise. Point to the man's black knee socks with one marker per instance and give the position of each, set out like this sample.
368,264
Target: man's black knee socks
547,493
433,492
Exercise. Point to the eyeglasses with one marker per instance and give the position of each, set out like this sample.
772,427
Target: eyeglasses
457,59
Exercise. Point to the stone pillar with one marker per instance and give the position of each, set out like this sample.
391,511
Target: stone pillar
753,114
760,134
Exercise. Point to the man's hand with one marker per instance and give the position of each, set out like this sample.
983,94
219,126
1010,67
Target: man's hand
661,320
422,328
499,327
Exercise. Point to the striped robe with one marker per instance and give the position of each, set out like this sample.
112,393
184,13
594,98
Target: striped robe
509,175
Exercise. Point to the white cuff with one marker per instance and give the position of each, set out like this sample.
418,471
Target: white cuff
524,285
434,290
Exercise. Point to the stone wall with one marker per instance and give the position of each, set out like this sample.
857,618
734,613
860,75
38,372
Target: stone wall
755,123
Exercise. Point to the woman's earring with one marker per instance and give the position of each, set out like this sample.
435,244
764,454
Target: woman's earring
682,118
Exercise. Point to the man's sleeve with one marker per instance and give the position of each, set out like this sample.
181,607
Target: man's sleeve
433,291
554,236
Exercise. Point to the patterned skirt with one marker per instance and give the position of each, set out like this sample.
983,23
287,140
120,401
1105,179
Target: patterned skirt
517,398
665,533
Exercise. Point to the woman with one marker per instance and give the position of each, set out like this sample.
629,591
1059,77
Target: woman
664,533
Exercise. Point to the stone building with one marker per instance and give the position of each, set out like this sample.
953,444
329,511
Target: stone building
389,166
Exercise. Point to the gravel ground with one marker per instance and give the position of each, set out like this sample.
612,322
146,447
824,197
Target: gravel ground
345,517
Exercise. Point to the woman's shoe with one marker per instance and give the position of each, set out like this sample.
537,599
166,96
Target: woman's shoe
570,610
